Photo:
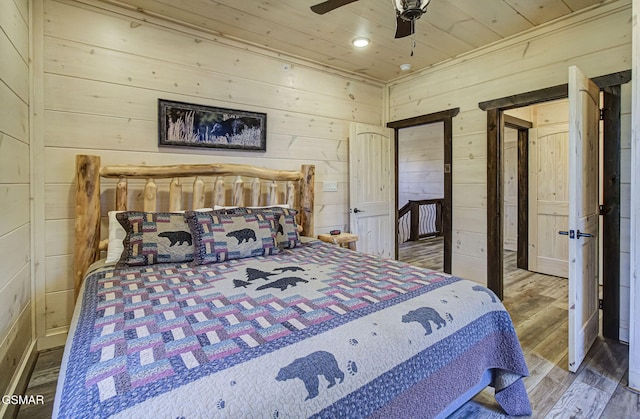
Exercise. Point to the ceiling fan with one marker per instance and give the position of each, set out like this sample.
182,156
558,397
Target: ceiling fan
407,12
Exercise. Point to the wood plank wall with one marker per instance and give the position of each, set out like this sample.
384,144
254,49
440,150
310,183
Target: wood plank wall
598,41
15,227
420,163
104,69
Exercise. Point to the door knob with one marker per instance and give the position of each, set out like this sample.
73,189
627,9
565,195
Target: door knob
356,210
580,234
570,233
574,234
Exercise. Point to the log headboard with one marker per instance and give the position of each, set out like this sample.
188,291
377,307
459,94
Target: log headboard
298,193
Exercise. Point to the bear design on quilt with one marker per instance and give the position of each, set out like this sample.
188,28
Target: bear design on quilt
244,234
424,316
177,237
253,274
289,269
238,283
310,368
282,283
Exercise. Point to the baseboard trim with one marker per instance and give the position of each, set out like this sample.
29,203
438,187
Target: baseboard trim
53,340
20,381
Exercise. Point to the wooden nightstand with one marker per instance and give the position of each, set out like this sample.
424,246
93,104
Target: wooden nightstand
346,240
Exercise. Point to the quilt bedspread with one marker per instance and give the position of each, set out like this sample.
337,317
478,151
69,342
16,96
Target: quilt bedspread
314,331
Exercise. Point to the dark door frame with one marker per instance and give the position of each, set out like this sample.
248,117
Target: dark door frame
611,174
522,126
446,117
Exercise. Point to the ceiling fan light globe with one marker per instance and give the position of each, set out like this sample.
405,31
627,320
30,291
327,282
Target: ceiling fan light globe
410,9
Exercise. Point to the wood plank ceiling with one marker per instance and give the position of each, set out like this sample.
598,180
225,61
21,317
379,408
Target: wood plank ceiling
448,29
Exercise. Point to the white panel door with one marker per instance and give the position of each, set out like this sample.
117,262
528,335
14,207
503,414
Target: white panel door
584,113
549,199
371,189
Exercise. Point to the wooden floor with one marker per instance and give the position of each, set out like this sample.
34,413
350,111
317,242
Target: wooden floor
538,306
426,253
43,382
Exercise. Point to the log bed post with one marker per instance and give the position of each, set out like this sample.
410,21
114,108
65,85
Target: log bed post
272,193
306,199
198,194
255,192
218,191
122,194
87,222
175,195
150,195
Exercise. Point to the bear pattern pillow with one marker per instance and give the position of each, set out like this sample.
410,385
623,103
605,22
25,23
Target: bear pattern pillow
155,237
221,237
288,236
117,235
287,227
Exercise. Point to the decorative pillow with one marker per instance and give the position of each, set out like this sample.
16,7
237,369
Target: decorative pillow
288,236
117,235
155,237
287,226
220,237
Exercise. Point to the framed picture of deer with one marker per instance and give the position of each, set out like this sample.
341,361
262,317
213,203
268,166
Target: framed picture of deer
190,125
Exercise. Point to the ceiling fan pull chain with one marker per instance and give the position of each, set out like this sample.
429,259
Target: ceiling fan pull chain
413,36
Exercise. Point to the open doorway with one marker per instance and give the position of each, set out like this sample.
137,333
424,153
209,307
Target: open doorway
420,186
536,186
515,186
610,86
440,122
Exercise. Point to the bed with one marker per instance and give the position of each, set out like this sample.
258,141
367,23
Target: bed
297,328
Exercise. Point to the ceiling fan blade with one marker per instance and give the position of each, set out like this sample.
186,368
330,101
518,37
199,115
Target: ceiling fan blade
404,27
329,5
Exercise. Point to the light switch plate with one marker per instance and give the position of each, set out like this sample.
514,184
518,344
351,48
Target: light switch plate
330,186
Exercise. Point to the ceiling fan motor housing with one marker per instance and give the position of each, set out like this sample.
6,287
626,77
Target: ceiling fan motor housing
411,9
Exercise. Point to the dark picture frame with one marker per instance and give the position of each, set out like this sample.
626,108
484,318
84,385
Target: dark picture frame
183,124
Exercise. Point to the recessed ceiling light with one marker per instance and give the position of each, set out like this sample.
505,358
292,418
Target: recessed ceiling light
360,42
